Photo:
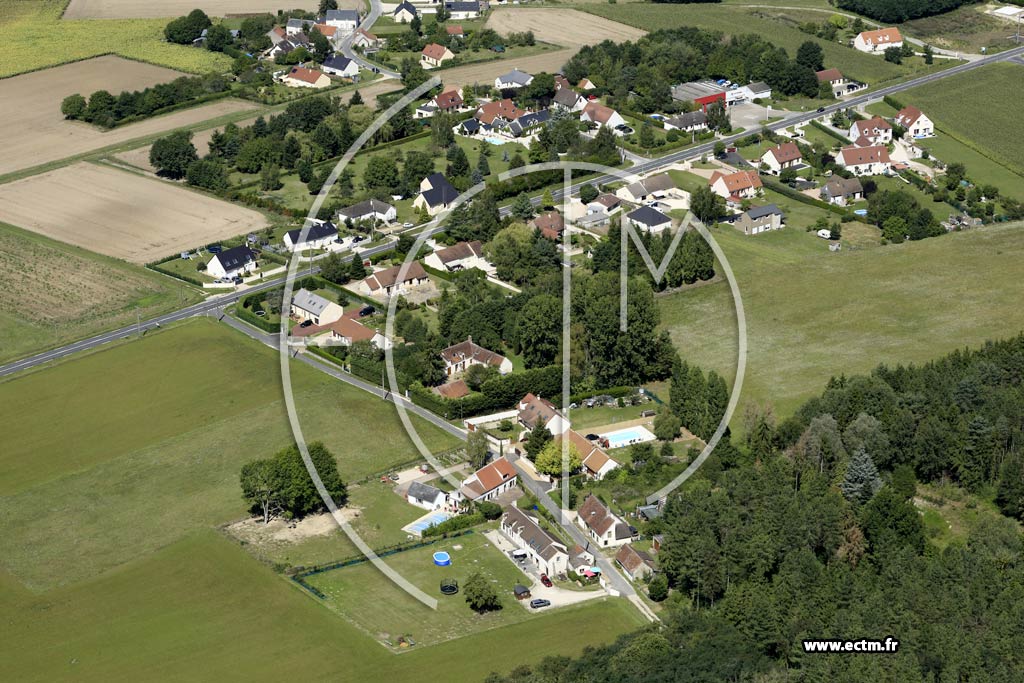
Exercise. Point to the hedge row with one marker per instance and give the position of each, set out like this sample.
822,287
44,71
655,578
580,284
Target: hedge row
248,316
181,276
829,132
454,524
893,102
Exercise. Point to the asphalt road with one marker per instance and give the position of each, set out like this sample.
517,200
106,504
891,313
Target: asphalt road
366,24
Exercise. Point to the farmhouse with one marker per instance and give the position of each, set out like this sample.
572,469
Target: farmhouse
537,412
512,80
301,77
386,281
758,219
842,191
318,236
463,10
435,55
426,496
551,225
701,93
340,66
778,159
567,99
649,219
869,132
232,262
865,160
347,331
654,187
490,481
915,122
345,20
598,522
596,113
368,210
635,563
879,40
548,554
740,185
459,256
693,122
596,462
459,357
405,12
309,306
436,193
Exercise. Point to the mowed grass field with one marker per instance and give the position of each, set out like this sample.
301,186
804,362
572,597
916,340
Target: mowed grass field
52,293
113,455
200,608
35,37
812,314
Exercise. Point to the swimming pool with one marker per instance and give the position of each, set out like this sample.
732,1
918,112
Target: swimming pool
495,141
630,435
426,521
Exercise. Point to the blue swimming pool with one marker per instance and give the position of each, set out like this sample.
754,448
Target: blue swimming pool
495,141
628,436
427,521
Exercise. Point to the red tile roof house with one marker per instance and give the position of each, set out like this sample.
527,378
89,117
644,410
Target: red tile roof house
459,256
456,389
865,160
550,224
739,185
539,412
636,563
835,78
348,331
449,100
455,30
459,357
778,159
434,55
597,113
873,131
879,40
597,521
490,481
596,463
385,282
301,77
916,123
500,111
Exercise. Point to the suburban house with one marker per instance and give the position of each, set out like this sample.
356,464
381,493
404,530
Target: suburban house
547,553
405,12
873,131
340,66
345,20
452,390
277,35
454,31
635,563
435,55
757,219
568,99
490,481
740,185
702,93
512,80
459,256
915,122
463,10
366,40
368,210
654,187
551,224
649,219
878,40
755,91
296,26
778,159
449,100
527,123
386,281
835,79
280,48
498,113
537,412
309,306
842,191
600,115
605,203
598,522
426,496
693,122
301,77
436,194
596,462
865,160
331,33
232,262
348,331
586,84
319,235
459,357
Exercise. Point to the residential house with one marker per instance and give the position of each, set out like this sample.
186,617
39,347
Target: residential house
309,306
331,33
842,191
758,219
345,20
598,522
453,390
454,31
435,55
319,235
366,40
649,219
301,77
512,80
385,282
778,159
490,481
596,113
835,79
869,132
586,84
537,412
915,122
605,203
449,100
637,564
296,26
879,40
280,48
341,66
426,496
528,123
368,210
498,113
348,331
551,224
738,185
692,122
595,462
648,189
404,12
568,99
459,357
581,560
232,262
436,194
562,82
459,256
865,160
277,35
463,10
548,554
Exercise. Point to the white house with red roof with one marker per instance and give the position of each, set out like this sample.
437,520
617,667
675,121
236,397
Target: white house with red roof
301,77
739,185
865,160
597,113
535,412
871,132
915,122
434,55
460,357
778,159
598,522
490,481
596,463
347,331
879,40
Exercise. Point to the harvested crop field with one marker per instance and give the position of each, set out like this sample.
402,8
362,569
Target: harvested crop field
34,132
567,27
485,72
145,9
121,214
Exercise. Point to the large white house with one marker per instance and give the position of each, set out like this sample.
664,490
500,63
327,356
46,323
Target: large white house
778,159
598,522
459,256
345,20
865,160
490,481
309,306
232,262
318,236
549,555
513,79
879,40
871,132
916,123
649,219
368,210
460,357
340,66
535,412
597,113
436,194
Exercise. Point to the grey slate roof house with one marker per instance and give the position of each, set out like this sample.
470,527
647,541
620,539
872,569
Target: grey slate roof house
650,219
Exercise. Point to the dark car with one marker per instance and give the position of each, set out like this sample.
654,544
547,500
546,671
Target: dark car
593,437
237,280
357,239
306,323
545,580
537,604
366,310
821,109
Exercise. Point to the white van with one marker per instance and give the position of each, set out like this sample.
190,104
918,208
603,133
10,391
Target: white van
519,556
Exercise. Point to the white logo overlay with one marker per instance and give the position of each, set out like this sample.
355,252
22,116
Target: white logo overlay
392,391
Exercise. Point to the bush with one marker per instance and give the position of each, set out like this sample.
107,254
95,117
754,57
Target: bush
657,589
454,524
488,509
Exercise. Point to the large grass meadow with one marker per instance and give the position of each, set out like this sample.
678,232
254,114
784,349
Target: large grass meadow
812,314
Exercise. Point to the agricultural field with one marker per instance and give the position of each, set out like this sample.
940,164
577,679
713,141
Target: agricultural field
52,294
121,214
141,9
566,27
812,314
31,102
486,72
35,37
967,29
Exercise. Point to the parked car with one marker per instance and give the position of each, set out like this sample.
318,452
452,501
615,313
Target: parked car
367,310
306,323
537,604
545,580
406,225
237,280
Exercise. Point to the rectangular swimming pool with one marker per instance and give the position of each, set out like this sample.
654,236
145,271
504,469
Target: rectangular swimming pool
628,436
426,521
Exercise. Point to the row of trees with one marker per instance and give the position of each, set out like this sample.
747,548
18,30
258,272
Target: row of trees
899,11
107,110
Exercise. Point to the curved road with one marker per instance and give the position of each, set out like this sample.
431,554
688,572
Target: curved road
346,43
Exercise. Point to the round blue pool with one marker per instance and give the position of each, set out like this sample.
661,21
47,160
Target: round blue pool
442,559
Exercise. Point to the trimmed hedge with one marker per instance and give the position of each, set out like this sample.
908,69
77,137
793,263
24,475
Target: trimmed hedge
829,132
454,524
893,102
248,316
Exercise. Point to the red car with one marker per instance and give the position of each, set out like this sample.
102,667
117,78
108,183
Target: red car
545,580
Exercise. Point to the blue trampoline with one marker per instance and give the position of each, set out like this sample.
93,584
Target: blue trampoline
442,559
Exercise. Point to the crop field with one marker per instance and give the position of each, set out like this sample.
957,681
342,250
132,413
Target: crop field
486,72
52,294
142,9
812,314
121,214
35,37
566,27
966,28
152,436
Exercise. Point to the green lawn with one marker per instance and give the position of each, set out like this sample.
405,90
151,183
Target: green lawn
812,314
200,608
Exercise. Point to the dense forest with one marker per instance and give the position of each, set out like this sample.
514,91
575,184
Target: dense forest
808,530
898,11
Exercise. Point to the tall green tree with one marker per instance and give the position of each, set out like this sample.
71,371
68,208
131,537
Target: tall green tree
172,154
